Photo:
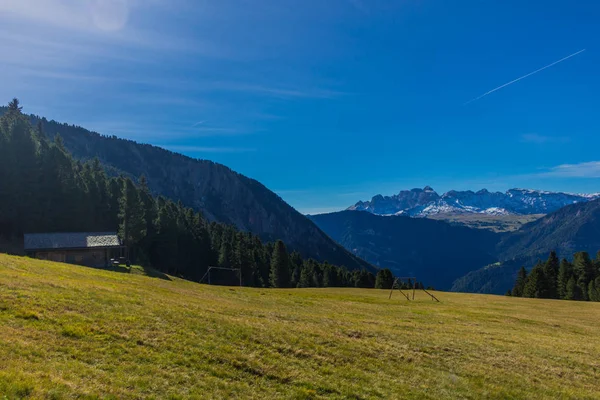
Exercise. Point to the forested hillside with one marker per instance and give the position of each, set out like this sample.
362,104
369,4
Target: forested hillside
571,229
43,189
554,279
219,193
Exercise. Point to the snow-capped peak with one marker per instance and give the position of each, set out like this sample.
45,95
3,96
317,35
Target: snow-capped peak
424,202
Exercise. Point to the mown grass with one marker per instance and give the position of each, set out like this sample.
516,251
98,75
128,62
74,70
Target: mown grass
74,332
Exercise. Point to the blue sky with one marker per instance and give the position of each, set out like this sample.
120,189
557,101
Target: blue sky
325,102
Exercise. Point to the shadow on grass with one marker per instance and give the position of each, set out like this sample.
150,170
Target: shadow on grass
153,273
144,271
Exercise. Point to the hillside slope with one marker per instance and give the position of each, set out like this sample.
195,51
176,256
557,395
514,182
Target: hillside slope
435,252
568,230
571,229
74,332
218,192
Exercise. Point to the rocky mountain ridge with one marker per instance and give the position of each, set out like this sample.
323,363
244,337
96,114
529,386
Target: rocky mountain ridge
426,202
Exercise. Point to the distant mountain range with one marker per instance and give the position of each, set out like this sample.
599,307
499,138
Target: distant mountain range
427,202
447,256
221,194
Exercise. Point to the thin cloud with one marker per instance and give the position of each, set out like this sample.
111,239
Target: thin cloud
523,77
542,139
88,27
277,92
589,169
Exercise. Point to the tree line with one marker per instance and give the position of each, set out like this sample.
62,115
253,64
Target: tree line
43,189
554,279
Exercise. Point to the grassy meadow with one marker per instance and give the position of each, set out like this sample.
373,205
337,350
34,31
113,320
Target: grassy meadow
73,332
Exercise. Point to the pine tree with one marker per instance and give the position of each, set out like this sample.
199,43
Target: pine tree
384,279
584,271
551,268
364,279
295,267
594,290
280,268
534,286
306,275
132,228
520,282
565,272
573,291
226,252
329,275
14,107
317,277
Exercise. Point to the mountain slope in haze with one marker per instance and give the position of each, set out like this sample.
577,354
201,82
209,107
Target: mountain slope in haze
426,202
218,192
436,252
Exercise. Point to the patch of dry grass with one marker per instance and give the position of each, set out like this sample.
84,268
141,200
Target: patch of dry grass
75,332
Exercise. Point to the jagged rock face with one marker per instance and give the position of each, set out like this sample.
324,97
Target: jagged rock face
404,200
424,202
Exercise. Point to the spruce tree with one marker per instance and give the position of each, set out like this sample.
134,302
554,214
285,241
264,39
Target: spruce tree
551,268
14,107
280,268
573,291
226,252
384,279
584,271
132,228
565,272
594,290
520,282
329,275
295,267
534,286
306,275
317,278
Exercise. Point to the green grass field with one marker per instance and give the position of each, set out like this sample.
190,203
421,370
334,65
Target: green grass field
74,332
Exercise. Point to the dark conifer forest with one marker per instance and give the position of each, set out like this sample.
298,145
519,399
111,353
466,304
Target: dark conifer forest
554,279
44,189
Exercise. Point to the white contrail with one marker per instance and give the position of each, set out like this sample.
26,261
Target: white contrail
523,77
